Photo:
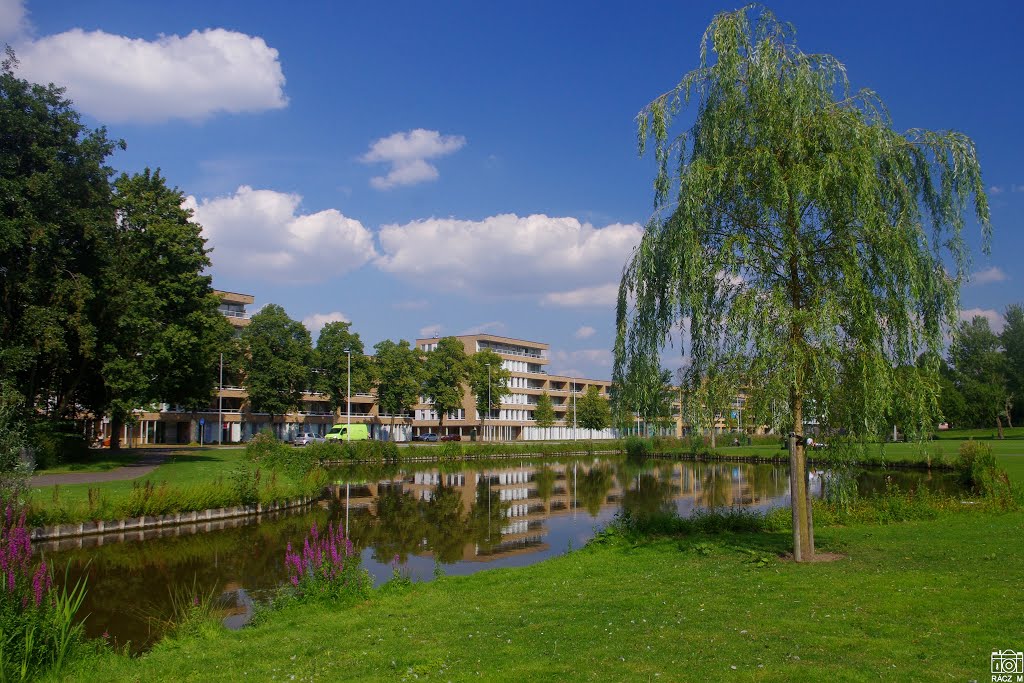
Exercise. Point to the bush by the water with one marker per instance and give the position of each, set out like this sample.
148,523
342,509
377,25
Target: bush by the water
638,447
38,629
977,466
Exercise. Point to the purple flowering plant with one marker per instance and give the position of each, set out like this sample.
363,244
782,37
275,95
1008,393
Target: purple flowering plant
36,618
327,566
23,585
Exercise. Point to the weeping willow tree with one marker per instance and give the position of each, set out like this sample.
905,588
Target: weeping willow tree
795,229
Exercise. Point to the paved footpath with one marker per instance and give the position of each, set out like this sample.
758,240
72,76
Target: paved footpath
145,465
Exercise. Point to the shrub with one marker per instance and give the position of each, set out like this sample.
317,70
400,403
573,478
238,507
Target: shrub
666,444
265,450
15,469
637,447
55,442
977,466
246,485
327,568
37,621
450,450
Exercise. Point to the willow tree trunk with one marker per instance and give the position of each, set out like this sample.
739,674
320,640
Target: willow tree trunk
803,541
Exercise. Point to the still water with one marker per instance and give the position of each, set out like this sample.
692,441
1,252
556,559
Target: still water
421,518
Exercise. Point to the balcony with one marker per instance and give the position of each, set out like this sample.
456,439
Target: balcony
234,314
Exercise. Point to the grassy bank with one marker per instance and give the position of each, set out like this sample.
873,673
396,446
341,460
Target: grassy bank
920,600
925,599
190,479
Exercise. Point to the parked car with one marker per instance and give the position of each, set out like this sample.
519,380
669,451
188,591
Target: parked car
450,437
429,436
306,438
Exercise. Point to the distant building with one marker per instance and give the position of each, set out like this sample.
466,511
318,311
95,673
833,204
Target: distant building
514,421
230,419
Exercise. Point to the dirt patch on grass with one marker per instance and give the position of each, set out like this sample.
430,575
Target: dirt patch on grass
818,557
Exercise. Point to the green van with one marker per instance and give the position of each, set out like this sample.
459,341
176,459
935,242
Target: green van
340,433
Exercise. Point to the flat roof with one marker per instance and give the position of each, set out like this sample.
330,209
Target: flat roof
495,337
235,296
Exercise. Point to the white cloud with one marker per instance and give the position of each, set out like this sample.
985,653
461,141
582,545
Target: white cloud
493,327
261,233
13,20
407,153
316,321
430,331
584,363
988,276
585,332
560,261
117,78
995,189
995,320
602,295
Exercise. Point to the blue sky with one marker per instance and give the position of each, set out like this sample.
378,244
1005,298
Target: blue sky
442,168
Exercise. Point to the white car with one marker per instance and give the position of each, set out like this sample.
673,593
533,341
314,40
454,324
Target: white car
306,438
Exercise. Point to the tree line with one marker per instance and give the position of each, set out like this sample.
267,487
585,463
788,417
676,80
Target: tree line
278,364
104,305
982,384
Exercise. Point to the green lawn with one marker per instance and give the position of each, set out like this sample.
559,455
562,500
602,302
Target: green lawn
100,460
914,601
192,479
184,467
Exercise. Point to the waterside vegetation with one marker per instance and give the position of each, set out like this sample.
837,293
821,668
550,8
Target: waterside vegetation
708,597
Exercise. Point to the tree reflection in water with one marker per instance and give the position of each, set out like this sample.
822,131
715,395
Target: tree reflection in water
593,486
454,513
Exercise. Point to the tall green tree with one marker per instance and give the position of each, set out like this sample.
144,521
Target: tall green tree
56,220
488,382
400,375
331,364
593,410
952,403
980,370
793,225
544,413
647,389
445,370
278,354
1012,339
162,332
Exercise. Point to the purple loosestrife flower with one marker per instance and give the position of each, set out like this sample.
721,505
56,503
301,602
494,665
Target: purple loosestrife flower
39,581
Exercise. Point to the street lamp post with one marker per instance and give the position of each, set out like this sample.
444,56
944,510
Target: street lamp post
348,400
573,388
220,402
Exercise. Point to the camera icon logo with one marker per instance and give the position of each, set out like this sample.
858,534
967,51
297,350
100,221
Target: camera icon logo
1007,662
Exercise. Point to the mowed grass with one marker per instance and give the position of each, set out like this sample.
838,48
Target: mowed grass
100,460
915,601
183,468
926,600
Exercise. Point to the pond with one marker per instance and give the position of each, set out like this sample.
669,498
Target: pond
423,518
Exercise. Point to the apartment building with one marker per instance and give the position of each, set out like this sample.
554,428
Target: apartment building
527,363
230,419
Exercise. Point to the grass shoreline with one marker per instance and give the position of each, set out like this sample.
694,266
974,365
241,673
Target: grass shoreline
704,607
927,588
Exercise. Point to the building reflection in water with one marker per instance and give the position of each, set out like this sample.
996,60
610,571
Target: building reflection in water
494,512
